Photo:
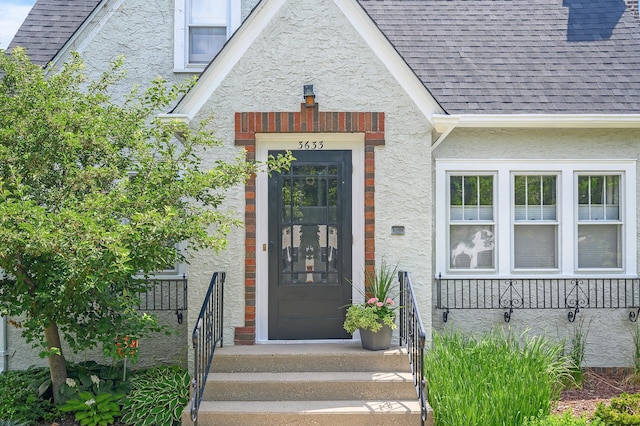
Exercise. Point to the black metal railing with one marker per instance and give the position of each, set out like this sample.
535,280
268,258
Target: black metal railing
165,295
510,294
412,335
207,334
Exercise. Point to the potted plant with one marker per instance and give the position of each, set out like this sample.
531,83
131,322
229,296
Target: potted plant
375,318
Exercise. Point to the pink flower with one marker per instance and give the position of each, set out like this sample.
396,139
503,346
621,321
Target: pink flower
379,304
390,301
372,301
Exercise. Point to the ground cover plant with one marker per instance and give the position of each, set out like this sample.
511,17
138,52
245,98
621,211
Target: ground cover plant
20,402
495,379
624,410
95,394
565,419
157,397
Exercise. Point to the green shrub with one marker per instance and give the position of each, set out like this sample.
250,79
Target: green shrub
20,402
566,419
11,423
157,397
94,410
623,411
94,378
496,380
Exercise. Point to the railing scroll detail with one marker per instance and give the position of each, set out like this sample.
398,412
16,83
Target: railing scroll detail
511,294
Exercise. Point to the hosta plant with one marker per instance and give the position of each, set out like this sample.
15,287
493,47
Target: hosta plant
94,410
157,397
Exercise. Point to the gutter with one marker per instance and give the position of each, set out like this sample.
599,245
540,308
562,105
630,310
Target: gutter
3,344
445,124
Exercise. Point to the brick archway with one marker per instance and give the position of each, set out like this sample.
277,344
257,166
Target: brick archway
308,120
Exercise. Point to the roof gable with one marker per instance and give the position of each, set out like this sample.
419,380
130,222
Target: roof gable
260,19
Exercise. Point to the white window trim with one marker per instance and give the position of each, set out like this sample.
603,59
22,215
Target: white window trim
566,170
476,222
621,220
555,222
180,36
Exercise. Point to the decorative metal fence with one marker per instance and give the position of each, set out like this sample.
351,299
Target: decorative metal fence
166,295
510,294
412,335
207,334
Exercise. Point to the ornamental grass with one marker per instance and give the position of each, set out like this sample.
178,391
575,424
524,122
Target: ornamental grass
496,379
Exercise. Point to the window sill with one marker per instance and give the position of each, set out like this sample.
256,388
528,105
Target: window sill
189,70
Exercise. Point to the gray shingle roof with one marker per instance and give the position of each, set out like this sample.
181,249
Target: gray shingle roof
49,25
518,56
474,56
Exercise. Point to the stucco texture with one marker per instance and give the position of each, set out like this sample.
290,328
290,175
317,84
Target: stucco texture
312,42
159,349
608,333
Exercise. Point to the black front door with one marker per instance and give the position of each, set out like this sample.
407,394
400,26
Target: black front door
310,246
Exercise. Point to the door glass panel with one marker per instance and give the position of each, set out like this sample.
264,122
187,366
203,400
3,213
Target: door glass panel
309,225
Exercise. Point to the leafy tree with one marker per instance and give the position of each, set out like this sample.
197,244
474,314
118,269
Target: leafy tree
93,193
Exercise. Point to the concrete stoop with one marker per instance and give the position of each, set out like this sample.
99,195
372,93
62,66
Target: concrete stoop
309,384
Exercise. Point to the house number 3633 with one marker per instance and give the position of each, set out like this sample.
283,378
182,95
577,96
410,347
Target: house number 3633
310,144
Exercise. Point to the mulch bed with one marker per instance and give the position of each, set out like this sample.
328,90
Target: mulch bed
597,388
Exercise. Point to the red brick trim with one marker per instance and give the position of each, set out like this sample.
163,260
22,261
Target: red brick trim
611,371
308,120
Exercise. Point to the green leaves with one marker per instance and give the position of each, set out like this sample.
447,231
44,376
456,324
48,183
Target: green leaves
157,397
623,410
93,410
495,379
96,190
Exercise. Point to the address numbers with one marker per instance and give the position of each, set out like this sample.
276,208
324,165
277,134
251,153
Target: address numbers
310,145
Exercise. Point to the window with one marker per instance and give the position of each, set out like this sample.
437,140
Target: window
206,29
201,29
535,217
535,230
599,224
471,222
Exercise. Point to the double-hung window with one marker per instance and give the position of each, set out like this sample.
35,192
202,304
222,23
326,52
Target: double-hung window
599,221
535,217
471,214
535,221
202,27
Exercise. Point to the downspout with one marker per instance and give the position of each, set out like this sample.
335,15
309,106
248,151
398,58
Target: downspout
3,344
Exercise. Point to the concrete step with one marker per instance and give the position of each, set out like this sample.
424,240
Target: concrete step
308,357
301,386
305,413
309,384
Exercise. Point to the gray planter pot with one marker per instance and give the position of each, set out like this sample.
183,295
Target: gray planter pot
376,341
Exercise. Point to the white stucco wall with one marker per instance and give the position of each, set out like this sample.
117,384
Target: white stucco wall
154,350
608,332
347,76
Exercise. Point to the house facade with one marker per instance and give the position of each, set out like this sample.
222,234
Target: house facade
489,148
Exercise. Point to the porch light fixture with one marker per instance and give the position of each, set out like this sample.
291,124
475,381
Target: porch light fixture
309,96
